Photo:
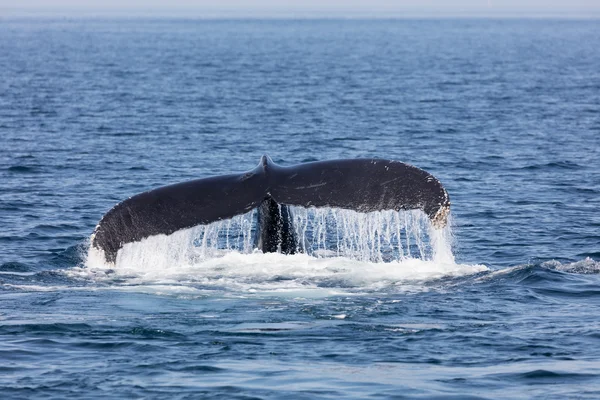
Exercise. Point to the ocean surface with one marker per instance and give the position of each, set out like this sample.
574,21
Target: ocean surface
506,113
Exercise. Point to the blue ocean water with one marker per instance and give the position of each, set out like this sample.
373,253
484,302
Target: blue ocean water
506,113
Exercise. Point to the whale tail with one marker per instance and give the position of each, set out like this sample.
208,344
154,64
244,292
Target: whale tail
363,185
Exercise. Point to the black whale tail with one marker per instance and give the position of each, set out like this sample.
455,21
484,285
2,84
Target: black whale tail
363,185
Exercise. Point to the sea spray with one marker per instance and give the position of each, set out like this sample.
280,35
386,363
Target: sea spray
381,236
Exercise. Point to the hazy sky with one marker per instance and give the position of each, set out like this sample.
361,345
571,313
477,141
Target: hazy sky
316,6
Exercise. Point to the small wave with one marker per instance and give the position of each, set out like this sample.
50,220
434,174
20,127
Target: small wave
197,369
553,165
546,271
29,279
546,376
551,279
55,228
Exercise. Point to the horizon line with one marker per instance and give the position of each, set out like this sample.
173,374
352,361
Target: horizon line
293,13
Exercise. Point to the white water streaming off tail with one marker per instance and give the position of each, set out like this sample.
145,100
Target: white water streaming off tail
340,249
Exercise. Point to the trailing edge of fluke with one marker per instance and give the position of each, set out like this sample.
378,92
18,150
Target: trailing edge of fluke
363,185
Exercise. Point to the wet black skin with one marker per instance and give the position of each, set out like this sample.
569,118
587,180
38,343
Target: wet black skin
275,228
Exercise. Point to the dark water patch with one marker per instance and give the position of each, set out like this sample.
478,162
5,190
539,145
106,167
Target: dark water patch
15,267
18,354
464,179
590,292
55,228
24,169
447,130
18,205
433,100
121,134
50,328
351,139
586,190
103,128
528,202
41,342
114,345
544,350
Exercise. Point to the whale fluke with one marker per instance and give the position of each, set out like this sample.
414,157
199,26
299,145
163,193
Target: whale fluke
363,185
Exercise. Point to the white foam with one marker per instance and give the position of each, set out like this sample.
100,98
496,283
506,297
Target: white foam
258,272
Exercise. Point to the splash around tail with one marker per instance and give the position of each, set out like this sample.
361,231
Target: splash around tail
342,252
375,237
